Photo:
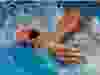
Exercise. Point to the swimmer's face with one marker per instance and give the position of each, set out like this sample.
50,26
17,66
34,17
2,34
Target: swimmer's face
71,56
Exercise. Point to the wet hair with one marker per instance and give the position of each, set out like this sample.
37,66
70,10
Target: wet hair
34,33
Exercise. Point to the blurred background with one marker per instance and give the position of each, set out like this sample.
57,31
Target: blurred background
89,50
